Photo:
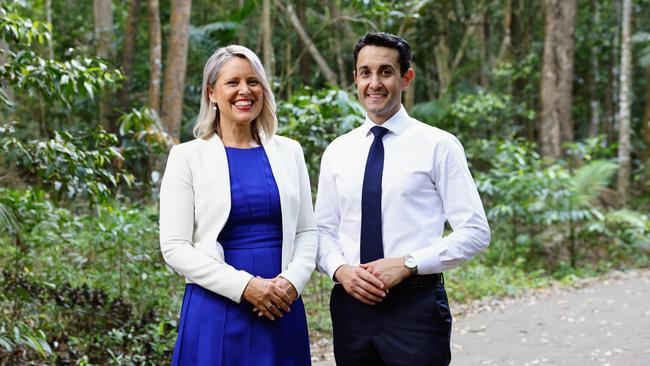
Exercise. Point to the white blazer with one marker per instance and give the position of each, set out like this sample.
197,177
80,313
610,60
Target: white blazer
195,204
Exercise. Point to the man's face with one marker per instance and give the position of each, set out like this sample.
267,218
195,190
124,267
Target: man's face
379,84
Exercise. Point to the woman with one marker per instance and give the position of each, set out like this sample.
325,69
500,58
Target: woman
236,220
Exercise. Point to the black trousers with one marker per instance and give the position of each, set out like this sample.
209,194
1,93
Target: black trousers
411,326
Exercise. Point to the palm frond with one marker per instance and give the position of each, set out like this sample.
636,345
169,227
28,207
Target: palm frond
8,220
592,178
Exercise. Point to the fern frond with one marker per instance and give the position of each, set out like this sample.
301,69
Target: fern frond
628,217
592,178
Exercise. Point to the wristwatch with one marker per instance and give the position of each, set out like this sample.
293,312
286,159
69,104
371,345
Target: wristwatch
411,264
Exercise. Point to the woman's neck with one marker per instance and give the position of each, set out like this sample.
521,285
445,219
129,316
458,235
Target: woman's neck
237,135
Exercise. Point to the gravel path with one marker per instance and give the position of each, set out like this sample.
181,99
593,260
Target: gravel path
604,322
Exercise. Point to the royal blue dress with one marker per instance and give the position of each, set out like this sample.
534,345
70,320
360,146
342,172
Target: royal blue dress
215,331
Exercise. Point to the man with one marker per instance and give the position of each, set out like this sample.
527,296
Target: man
384,193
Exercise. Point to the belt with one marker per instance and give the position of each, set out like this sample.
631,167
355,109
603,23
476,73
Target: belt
418,282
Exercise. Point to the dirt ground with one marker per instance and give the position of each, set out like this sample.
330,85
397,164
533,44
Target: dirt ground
603,321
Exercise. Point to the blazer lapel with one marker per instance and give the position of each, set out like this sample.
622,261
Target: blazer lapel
217,189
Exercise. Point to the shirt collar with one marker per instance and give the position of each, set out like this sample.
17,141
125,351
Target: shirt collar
394,124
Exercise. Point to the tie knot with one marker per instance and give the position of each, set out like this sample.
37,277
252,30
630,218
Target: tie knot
379,131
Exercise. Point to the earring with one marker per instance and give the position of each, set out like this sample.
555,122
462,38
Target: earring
214,108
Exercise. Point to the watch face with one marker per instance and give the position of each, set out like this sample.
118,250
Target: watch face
410,262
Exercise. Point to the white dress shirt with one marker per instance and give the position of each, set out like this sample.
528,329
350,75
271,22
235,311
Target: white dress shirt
425,182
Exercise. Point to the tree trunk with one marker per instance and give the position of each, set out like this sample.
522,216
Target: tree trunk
481,38
442,52
242,31
505,50
339,28
128,53
329,75
305,61
557,76
613,87
594,104
48,17
624,146
176,63
267,42
646,118
155,55
288,69
103,14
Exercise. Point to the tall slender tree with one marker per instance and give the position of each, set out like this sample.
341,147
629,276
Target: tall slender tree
645,130
155,55
557,76
128,52
175,67
103,14
594,72
267,40
624,145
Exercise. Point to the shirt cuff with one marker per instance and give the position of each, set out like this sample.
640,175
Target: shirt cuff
428,259
331,263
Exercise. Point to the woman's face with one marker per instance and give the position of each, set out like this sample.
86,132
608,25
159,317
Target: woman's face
238,93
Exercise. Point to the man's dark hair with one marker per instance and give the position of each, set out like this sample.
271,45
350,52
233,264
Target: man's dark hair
383,39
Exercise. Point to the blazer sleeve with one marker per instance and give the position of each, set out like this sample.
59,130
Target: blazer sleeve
305,244
176,233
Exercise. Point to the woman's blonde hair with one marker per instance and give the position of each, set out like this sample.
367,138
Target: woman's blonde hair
208,121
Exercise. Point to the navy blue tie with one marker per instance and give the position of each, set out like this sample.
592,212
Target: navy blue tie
372,244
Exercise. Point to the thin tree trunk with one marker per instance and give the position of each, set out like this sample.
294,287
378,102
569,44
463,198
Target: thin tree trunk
442,52
48,17
481,38
524,17
155,55
242,30
267,43
175,67
339,28
305,61
505,51
103,14
594,104
329,75
128,53
613,91
557,76
645,129
624,145
287,68
608,102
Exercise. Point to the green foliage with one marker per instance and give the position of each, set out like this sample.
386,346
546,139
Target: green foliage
8,220
144,142
472,115
475,280
14,28
315,118
142,134
70,165
542,215
92,286
589,180
56,80
48,79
